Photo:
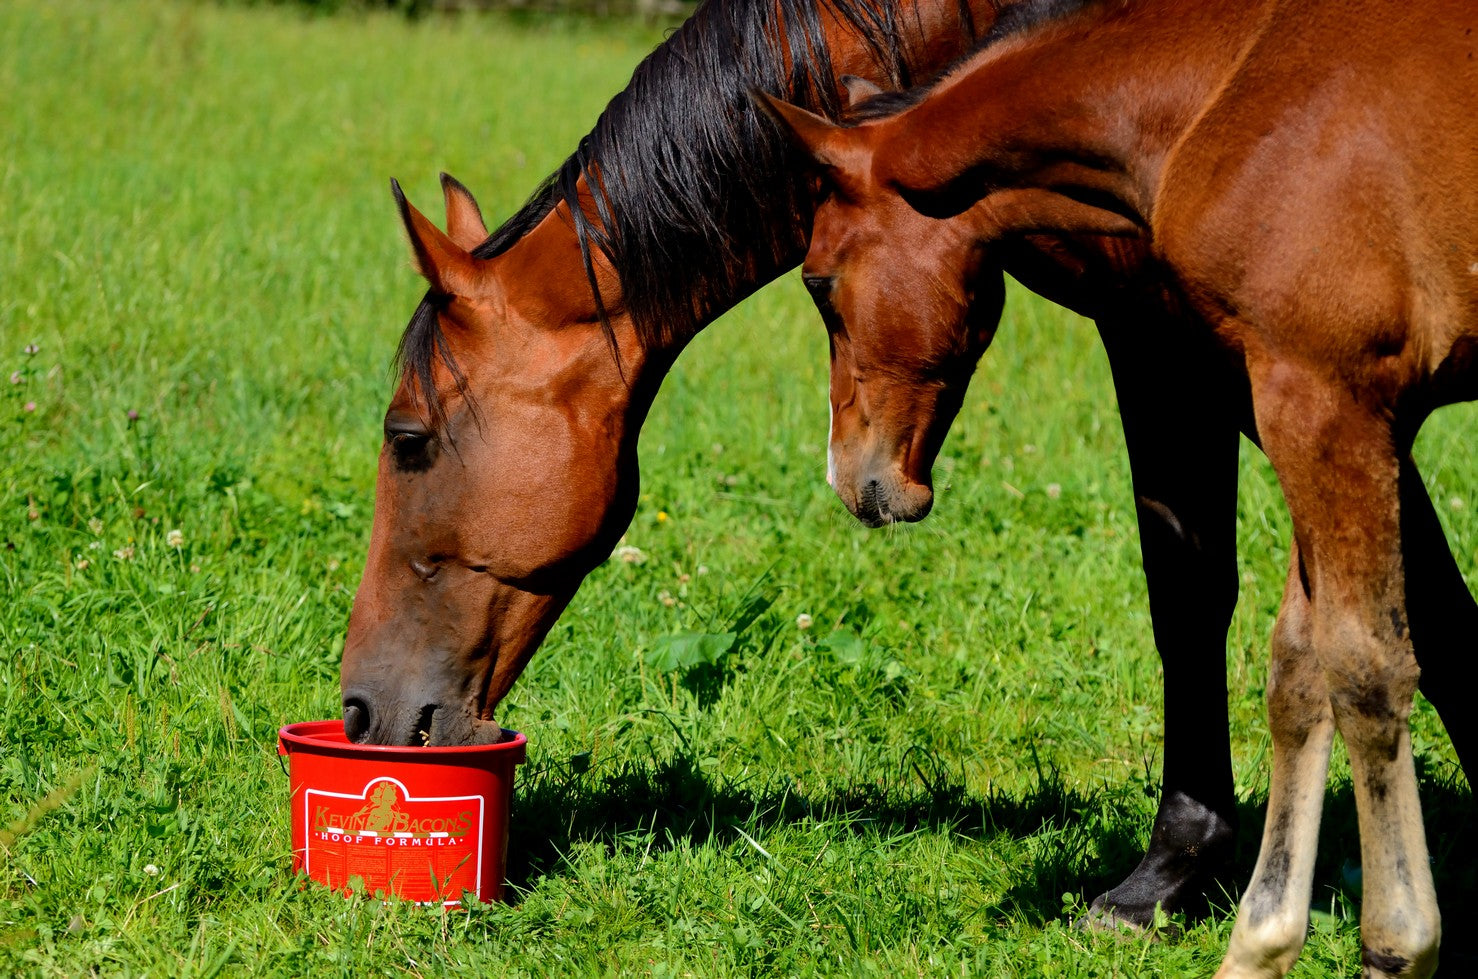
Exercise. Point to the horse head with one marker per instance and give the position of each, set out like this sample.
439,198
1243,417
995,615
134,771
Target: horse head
508,471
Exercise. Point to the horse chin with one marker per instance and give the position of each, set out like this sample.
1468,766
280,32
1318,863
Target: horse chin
458,728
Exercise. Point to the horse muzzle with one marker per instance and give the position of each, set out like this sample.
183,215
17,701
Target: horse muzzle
414,722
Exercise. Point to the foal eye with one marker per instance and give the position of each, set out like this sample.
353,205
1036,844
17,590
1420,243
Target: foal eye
819,286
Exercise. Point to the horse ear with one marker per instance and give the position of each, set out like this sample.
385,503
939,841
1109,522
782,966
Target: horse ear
859,89
447,266
811,132
464,223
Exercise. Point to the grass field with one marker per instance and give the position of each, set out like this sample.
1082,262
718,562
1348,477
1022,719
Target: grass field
201,285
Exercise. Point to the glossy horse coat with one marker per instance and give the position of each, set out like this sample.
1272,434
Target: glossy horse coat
1307,177
509,463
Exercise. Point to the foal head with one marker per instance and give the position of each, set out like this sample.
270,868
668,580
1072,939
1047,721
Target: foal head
908,280
508,471
910,303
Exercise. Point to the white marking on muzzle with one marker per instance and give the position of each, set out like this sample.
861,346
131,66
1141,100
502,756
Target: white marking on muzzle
831,464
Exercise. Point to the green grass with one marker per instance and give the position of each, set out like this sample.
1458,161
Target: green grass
197,229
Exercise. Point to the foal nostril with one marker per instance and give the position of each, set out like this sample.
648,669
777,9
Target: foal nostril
356,720
869,506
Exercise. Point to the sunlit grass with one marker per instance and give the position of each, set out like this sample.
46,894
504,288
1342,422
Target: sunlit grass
932,778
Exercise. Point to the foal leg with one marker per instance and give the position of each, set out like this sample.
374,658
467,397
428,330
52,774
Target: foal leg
1274,916
1339,467
1183,457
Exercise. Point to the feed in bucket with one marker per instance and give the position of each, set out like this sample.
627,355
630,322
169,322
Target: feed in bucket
420,824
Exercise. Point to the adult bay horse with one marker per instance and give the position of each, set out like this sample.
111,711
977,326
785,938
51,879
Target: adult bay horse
1306,175
509,464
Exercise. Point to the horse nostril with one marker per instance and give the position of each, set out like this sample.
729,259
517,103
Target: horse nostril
356,720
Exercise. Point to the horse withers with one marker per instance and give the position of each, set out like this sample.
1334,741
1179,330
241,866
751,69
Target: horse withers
1310,204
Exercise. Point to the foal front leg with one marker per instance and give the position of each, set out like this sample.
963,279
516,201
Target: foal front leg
1339,465
1274,917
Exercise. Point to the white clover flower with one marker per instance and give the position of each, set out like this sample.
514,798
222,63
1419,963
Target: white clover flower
631,555
803,621
175,539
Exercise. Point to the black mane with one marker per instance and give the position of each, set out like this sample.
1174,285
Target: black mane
1013,20
700,198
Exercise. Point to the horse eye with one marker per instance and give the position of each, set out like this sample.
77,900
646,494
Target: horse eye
410,441
403,441
405,425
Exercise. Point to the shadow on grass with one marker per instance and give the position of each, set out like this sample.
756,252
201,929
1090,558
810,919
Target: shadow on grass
670,801
1087,840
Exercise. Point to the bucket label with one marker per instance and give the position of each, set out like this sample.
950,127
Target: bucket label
425,849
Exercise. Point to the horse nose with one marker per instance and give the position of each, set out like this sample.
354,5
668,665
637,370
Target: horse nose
356,719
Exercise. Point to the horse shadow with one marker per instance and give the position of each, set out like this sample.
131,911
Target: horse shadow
1094,838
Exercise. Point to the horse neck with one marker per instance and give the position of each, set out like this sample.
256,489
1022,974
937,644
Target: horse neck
548,288
1095,104
702,216
547,268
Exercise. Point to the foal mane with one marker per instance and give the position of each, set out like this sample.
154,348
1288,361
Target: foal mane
1012,21
700,198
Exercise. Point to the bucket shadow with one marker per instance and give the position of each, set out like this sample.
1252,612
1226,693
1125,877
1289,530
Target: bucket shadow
1095,837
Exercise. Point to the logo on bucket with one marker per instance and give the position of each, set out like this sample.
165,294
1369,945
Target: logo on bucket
426,850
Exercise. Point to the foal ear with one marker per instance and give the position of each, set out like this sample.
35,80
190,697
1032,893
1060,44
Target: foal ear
859,89
812,133
447,266
464,223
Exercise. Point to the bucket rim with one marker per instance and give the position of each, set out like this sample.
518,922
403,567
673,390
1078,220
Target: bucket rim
318,736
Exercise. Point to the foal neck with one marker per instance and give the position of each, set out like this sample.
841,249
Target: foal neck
1091,104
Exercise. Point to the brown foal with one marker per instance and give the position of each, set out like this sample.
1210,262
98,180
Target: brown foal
1307,176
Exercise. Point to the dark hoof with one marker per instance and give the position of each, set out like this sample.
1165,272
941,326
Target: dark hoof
1190,845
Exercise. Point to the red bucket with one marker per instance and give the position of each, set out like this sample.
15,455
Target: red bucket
421,824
